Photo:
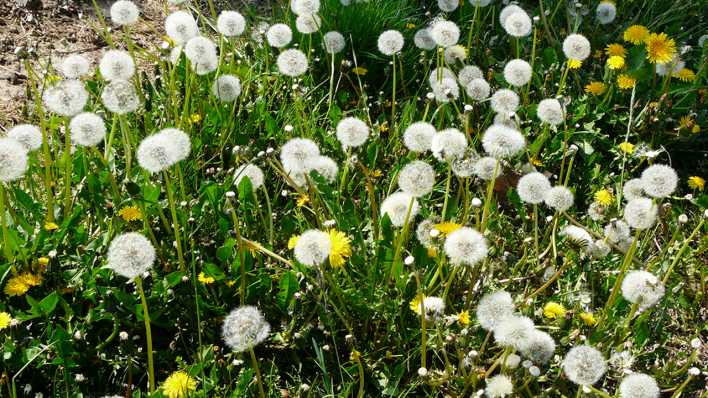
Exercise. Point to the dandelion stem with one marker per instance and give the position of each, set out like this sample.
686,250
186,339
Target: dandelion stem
393,98
625,265
68,164
681,251
447,191
148,334
488,199
254,362
401,239
7,250
175,220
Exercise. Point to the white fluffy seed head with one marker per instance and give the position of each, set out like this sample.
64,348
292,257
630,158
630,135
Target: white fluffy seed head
445,90
120,97
390,42
29,135
295,153
606,12
532,187
499,386
617,231
417,178
518,24
467,74
559,198
418,137
312,247
180,26
659,180
244,328
292,63
445,33
205,65
305,7
480,3
639,385
324,166
640,213
487,168
513,331
455,55
438,74
87,129
643,288
198,48
503,142
599,249
124,12
397,206
505,101
538,347
517,72
352,132
279,35
181,142
493,308
307,24
478,89
75,66
13,160
550,111
253,172
465,166
576,47
633,189
448,144
424,40
434,308
117,65
579,237
231,23
130,255
507,11
333,42
156,153
584,365
466,246
226,88
422,232
448,5
66,98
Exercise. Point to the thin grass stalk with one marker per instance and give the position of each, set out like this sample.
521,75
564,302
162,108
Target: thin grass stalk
681,251
625,265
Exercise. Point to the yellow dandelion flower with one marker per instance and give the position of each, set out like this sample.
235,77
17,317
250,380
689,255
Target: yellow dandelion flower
604,197
230,283
636,34
376,173
588,318
30,279
431,251
686,122
354,356
196,118
626,147
5,320
302,200
596,88
696,182
536,162
660,48
696,129
203,278
575,63
50,226
447,227
15,286
340,248
626,82
463,318
293,241
686,75
130,213
43,261
410,25
383,127
615,49
615,62
359,71
414,304
179,385
553,310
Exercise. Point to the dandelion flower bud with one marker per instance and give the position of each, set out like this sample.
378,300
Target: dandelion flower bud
181,27
400,206
493,308
576,47
559,198
28,135
616,231
324,166
465,246
486,168
313,247
253,172
499,386
448,5
550,111
518,24
445,33
418,137
87,129
333,42
130,255
120,97
226,88
124,12
643,288
448,144
292,63
606,12
75,66
390,42
517,72
244,328
478,89
434,308
640,213
505,101
513,331
13,160
507,11
295,153
468,73
279,35
424,40
417,178
639,385
116,65
181,142
156,153
445,90
352,132
308,23
231,23
633,189
66,98
659,181
538,347
305,7
532,187
503,142
584,365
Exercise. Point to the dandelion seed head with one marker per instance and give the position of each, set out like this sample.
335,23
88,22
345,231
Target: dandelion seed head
66,98
120,97
672,67
605,12
417,178
181,142
659,180
448,144
117,65
292,63
397,206
550,111
518,24
334,42
422,232
423,39
279,35
478,89
445,33
499,386
517,72
438,74
576,47
445,90
578,237
124,12
199,48
633,189
226,88
434,308
418,137
505,101
305,7
13,160
295,153
390,42
231,23
639,385
253,172
507,11
156,153
352,132
513,331
640,213
503,142
313,247
616,231
486,167
538,347
130,255
559,198
454,55
29,135
244,328
643,288
181,27
448,5
532,187
87,129
308,23
465,166
584,365
75,66
325,166
466,246
480,3
468,73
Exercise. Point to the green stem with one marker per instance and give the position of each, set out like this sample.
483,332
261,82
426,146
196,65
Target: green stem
254,363
148,333
68,164
681,251
7,250
488,199
175,220
625,265
393,98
